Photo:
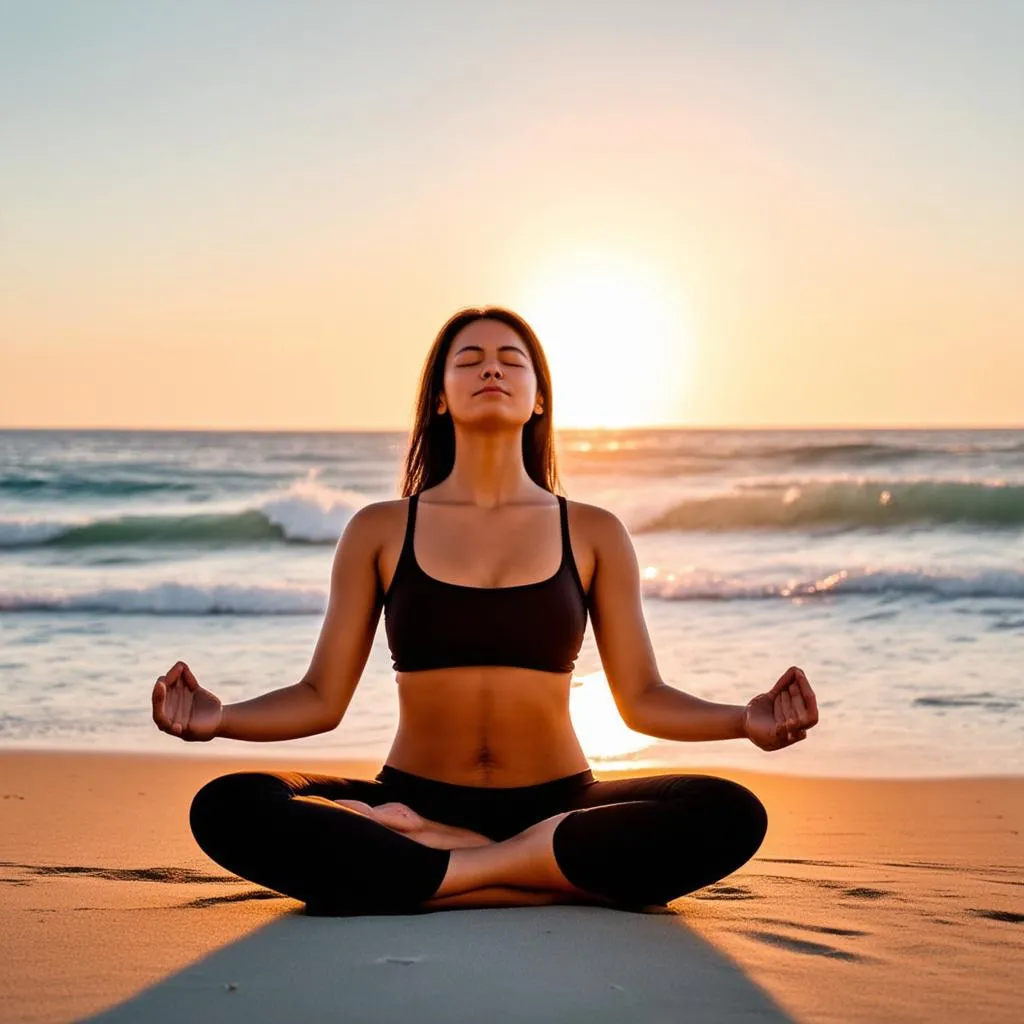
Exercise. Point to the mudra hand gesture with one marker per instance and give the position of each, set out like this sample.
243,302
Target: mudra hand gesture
782,715
183,708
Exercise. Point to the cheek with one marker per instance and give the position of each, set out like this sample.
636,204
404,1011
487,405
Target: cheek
457,379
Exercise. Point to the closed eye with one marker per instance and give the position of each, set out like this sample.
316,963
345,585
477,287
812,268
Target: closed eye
518,353
477,362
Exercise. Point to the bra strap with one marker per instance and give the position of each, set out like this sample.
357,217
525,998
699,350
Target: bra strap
563,510
567,555
410,524
405,555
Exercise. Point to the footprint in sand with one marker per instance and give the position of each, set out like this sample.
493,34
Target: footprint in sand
725,892
803,946
863,892
998,915
853,932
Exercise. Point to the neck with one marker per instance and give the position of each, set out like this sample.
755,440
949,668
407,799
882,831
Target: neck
488,470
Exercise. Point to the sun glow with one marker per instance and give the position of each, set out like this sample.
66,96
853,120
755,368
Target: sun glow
618,340
597,722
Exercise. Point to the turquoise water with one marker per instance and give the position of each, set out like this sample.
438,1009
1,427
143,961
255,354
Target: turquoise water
888,564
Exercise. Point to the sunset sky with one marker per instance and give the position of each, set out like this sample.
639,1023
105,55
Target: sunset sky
257,215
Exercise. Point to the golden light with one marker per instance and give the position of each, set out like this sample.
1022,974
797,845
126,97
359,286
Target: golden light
596,720
618,340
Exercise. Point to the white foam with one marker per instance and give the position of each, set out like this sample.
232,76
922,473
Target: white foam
173,599
311,511
696,585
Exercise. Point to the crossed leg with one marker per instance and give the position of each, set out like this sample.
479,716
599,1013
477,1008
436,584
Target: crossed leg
402,818
629,841
525,857
638,841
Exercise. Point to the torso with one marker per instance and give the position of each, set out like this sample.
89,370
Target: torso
491,726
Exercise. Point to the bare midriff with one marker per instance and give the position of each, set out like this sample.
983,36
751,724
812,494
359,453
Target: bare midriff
486,726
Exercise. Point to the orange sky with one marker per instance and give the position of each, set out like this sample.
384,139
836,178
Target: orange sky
808,218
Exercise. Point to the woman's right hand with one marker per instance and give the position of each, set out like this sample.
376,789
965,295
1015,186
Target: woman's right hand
183,708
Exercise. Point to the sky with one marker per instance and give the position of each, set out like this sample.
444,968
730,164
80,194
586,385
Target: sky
257,215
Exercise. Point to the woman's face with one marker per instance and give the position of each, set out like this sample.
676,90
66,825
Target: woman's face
489,354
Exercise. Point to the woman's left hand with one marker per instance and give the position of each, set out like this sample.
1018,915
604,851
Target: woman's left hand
783,715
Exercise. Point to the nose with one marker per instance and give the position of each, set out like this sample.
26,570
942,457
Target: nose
496,371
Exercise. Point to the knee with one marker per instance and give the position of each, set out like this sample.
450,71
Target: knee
735,815
749,814
219,807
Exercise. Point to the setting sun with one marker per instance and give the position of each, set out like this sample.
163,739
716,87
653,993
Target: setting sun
617,338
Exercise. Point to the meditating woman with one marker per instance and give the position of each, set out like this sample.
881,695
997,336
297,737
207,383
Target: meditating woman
486,576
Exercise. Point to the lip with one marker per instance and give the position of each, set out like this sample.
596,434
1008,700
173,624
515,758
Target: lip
489,390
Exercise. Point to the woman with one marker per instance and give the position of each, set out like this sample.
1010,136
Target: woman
486,797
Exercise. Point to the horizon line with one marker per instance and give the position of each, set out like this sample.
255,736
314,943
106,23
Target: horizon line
675,427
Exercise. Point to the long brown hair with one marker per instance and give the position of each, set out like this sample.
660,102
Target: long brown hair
431,451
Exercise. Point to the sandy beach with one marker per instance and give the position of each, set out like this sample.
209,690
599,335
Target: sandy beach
899,900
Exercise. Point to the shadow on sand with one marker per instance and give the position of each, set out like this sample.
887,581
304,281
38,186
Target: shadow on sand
539,964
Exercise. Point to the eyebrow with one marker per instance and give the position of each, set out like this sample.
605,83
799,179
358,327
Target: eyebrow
501,348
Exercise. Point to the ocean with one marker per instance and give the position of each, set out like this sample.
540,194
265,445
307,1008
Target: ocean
888,564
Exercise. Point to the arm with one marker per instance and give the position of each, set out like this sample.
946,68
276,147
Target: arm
284,714
317,703
646,703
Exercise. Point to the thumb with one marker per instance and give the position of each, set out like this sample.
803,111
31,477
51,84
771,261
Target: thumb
160,703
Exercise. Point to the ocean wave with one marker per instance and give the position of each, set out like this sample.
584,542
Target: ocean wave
695,585
985,699
307,512
870,452
798,452
847,503
71,486
172,599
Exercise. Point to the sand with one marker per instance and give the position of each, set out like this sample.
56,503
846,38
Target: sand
870,900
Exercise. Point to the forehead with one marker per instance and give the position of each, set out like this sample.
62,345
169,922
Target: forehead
488,335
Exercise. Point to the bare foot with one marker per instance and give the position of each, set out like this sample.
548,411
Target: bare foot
523,861
404,819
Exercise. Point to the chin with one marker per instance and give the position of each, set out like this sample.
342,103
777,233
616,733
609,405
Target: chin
494,419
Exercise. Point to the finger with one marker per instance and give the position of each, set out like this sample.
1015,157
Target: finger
787,711
800,734
173,703
190,679
780,723
172,675
184,710
810,700
796,698
784,680
159,703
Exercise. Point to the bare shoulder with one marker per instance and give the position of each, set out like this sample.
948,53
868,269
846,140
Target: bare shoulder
374,521
599,539
370,532
597,525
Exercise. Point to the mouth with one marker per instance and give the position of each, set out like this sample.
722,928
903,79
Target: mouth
488,391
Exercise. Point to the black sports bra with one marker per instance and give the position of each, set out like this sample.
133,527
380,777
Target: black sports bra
433,624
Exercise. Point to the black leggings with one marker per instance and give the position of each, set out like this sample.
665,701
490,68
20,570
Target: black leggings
636,841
